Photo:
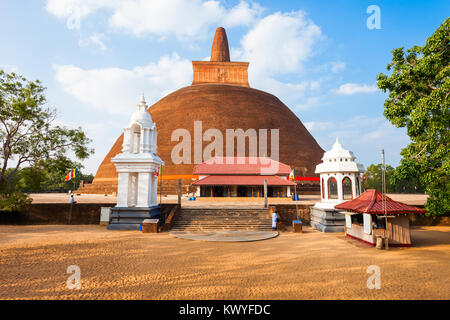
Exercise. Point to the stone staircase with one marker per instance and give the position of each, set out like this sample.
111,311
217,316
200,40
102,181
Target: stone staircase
219,219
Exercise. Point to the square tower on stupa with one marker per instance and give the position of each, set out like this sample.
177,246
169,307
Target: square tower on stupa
220,69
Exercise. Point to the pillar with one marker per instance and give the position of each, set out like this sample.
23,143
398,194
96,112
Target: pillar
288,191
265,194
339,177
126,140
154,191
123,189
354,182
144,188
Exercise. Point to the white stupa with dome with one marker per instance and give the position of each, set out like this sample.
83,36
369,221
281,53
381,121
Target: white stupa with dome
137,167
340,181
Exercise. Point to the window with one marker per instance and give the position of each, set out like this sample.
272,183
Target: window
347,188
358,219
135,142
332,188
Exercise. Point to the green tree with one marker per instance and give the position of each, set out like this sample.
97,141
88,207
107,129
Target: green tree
373,178
27,133
48,175
419,88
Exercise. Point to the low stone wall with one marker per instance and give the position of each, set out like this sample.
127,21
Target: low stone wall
89,213
423,220
288,212
56,213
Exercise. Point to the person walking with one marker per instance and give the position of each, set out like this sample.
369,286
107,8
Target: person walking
274,221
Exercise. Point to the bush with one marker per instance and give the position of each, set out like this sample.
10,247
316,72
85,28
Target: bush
14,201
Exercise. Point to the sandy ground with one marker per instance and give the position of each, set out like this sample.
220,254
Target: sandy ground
411,199
132,265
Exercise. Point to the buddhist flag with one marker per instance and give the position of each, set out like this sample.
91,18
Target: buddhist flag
72,174
292,175
158,173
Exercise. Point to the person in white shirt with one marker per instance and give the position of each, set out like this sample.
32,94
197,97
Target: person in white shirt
72,199
274,221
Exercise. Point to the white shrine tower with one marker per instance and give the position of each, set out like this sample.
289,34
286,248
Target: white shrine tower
340,181
137,167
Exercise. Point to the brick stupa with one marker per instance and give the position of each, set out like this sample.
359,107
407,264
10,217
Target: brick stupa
220,97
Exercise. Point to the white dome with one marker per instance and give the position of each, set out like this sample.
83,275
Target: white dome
337,151
338,159
141,115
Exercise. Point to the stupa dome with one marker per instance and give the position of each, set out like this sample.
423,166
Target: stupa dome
221,98
141,115
339,159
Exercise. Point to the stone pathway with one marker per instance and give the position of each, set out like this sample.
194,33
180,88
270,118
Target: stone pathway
225,236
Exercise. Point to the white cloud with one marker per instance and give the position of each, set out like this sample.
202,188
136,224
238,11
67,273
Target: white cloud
354,88
181,18
114,89
243,14
96,39
279,43
8,68
310,102
314,126
337,66
80,8
364,135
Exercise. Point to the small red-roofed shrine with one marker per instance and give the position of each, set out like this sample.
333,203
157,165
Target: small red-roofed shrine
366,216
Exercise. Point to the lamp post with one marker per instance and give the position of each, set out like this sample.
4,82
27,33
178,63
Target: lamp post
383,182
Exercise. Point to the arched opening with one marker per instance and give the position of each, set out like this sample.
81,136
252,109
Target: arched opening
347,188
332,188
135,141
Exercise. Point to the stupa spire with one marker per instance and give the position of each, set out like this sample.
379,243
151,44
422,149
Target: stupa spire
220,51
142,104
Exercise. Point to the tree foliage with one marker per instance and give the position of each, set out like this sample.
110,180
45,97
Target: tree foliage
27,131
373,178
419,88
49,175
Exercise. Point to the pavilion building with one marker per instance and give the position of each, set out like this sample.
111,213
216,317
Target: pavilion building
242,177
339,181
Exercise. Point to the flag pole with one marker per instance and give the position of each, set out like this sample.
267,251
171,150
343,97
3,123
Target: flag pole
383,181
160,184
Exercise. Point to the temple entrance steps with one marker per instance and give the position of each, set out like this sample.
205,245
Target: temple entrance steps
217,219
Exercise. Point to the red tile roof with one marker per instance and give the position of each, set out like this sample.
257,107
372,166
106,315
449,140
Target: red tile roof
242,165
372,202
243,180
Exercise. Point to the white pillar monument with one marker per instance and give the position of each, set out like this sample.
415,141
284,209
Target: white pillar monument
340,181
137,167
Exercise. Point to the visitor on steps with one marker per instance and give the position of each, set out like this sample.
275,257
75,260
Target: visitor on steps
72,199
274,221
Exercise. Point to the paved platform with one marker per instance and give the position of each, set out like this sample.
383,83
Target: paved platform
411,199
136,265
225,236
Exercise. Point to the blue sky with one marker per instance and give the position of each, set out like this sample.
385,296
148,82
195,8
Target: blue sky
319,57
